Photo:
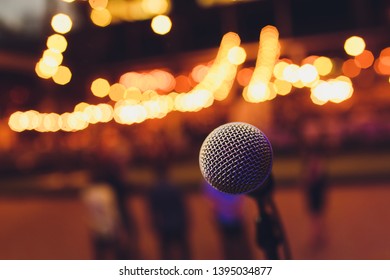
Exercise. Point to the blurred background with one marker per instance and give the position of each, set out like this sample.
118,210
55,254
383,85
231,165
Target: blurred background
105,104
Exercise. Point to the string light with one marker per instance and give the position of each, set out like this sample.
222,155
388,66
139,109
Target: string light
136,96
100,87
258,88
63,75
354,45
161,24
324,65
61,23
101,17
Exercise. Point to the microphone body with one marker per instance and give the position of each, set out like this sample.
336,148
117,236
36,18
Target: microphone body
236,158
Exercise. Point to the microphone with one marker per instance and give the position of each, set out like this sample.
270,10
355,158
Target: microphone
236,158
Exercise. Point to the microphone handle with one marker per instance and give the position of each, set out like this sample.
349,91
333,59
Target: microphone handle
270,232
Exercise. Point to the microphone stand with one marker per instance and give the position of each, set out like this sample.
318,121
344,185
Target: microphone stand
269,230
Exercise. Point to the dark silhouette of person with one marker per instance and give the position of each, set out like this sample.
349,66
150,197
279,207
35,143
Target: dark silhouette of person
169,216
316,185
108,194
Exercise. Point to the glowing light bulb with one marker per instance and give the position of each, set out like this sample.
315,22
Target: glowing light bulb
100,87
101,17
62,76
61,23
57,42
161,24
354,45
324,65
237,55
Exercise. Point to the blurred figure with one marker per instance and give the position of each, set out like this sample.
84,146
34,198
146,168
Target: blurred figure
316,184
228,210
169,217
104,221
107,196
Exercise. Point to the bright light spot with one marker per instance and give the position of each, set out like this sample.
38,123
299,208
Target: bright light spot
308,74
62,76
321,93
107,112
101,17
155,7
80,107
52,58
365,59
317,100
165,80
117,92
100,87
335,90
324,65
341,91
14,122
354,45
61,23
98,4
130,79
50,122
34,119
291,73
161,24
133,94
73,121
257,92
382,64
57,42
309,59
279,68
268,53
199,72
129,114
237,55
94,114
39,72
350,68
46,70
282,87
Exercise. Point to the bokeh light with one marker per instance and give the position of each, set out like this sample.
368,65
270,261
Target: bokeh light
161,24
101,17
98,4
237,55
155,7
57,42
61,23
351,68
258,89
62,76
100,87
324,65
354,45
365,59
52,58
308,74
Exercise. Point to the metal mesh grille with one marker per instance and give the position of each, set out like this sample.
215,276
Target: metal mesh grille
235,158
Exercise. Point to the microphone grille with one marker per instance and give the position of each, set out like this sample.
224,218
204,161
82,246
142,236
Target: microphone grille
235,158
